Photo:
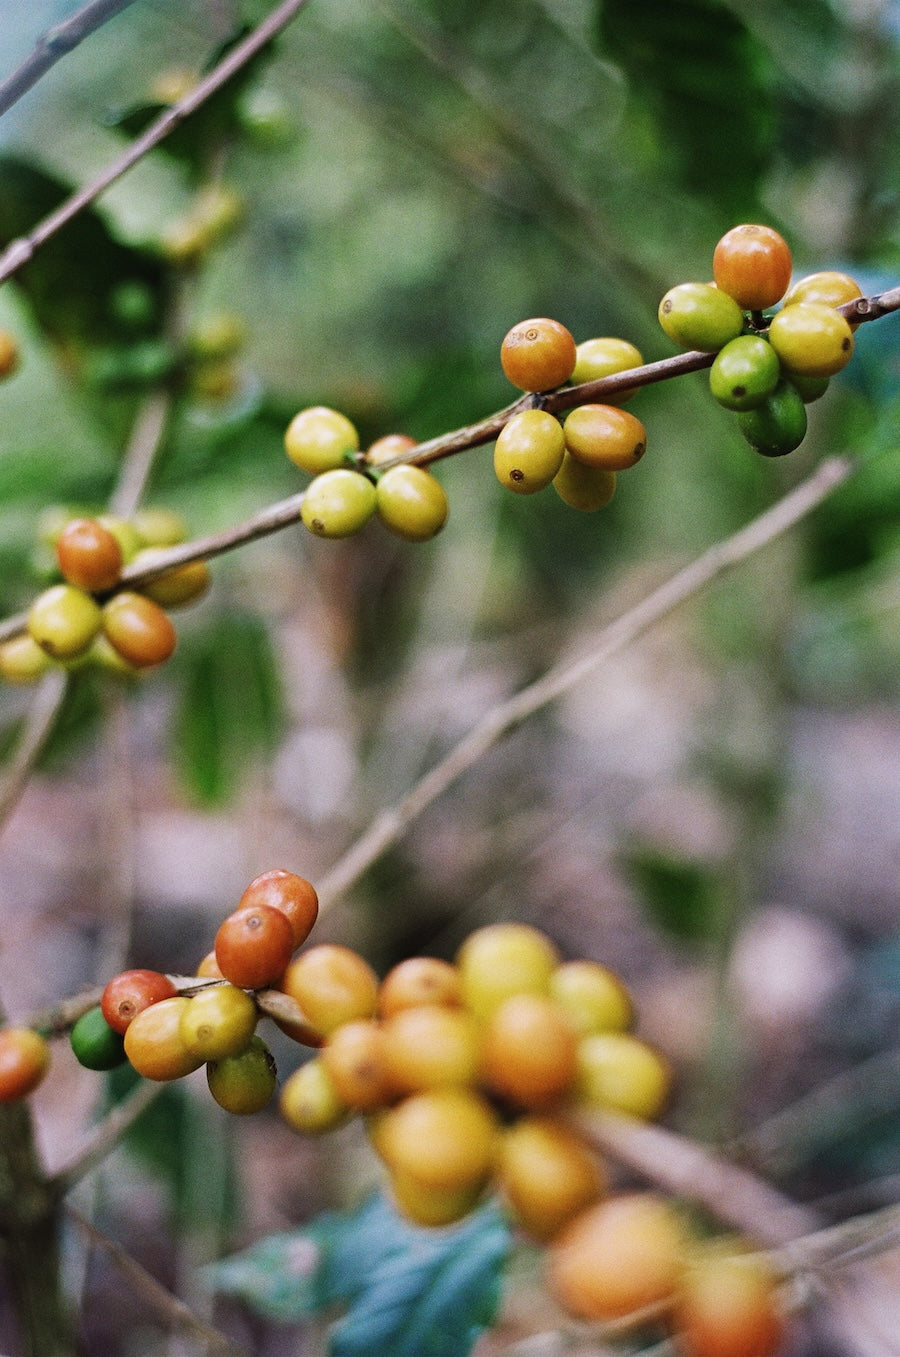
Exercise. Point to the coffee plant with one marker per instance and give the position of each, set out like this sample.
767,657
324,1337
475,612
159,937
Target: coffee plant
345,1008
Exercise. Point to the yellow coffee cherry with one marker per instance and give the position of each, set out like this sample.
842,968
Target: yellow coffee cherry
355,1059
431,1047
430,1206
444,1138
529,451
318,439
604,357
503,959
546,1174
218,1021
309,1101
22,660
586,488
593,997
63,621
618,1071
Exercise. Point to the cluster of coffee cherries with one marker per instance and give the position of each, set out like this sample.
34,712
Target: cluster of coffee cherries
349,487
766,368
88,614
580,455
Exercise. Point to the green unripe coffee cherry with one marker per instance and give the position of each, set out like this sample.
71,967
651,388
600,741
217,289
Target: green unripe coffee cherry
810,388
778,425
584,487
318,439
529,451
64,621
338,503
700,316
95,1044
744,372
604,357
411,502
243,1083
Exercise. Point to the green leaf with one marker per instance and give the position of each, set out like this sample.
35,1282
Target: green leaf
681,896
230,711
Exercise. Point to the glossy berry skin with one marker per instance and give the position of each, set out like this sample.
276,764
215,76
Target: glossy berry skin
89,556
529,1052
139,629
63,621
125,532
411,503
176,587
432,1207
778,426
811,339
744,373
154,1045
158,526
501,960
605,436
354,1056
727,1306
432,1046
338,503
605,357
318,439
585,488
130,992
418,981
830,288
309,1102
809,389
618,1257
95,1044
292,894
620,1072
538,354
444,1138
24,1061
529,451
244,1083
546,1175
700,316
218,1021
22,660
389,447
253,946
593,997
333,985
753,265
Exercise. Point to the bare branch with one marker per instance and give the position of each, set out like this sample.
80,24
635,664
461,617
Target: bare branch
105,1136
57,42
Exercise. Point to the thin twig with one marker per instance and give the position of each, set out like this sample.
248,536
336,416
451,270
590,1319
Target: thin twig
172,1311
57,42
20,251
105,1136
42,713
140,454
389,825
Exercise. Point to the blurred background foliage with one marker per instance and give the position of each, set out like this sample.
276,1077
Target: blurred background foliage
711,810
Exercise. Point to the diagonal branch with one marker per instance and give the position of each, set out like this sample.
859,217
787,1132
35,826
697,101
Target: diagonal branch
57,42
20,251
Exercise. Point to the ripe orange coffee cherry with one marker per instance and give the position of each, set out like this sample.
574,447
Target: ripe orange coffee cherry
130,992
503,959
154,1045
293,895
138,629
355,1058
388,447
333,985
538,354
444,1138
727,1305
89,555
24,1060
431,1047
416,981
621,1256
529,1051
546,1175
753,265
9,354
605,436
253,946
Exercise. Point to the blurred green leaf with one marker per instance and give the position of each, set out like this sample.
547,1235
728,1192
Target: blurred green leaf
682,897
230,711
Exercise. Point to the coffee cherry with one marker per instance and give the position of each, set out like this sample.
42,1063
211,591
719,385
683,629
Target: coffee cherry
444,1138
24,1060
209,968
501,960
619,1071
546,1175
253,946
389,447
9,354
177,586
417,981
753,265
333,985
95,1044
355,1058
154,1045
778,426
744,373
63,621
89,555
218,1021
529,451
431,1047
830,288
158,526
130,992
139,629
429,1206
22,660
727,1305
221,334
318,439
811,339
586,488
309,1101
293,895
411,502
604,436
538,354
338,503
621,1256
592,996
125,533
529,1052
700,316
809,389
245,1082
604,357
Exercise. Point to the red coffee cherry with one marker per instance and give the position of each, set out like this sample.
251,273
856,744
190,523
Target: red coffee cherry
89,555
129,993
293,895
254,946
24,1060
